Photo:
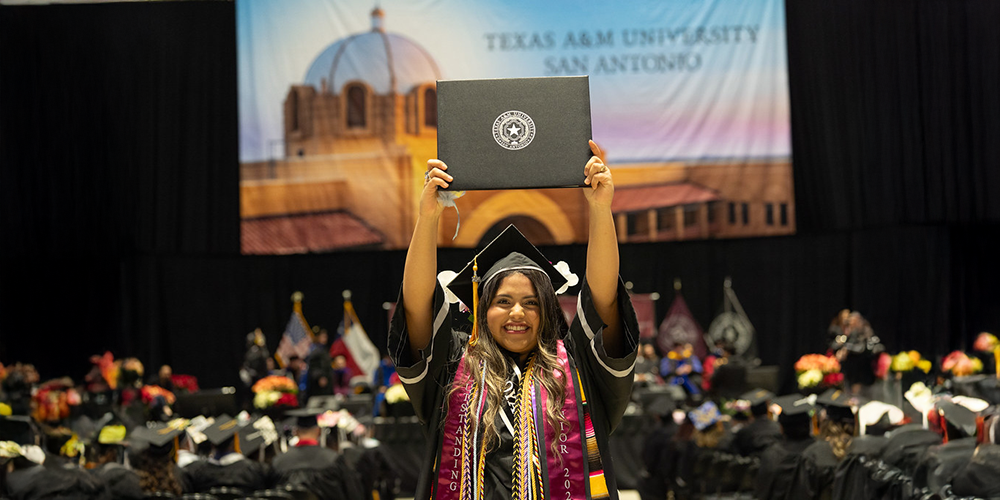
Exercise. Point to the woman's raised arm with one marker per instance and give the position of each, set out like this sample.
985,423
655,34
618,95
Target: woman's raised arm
420,270
602,250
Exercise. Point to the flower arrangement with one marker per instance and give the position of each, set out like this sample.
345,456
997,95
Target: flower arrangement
275,391
907,361
151,392
985,342
818,371
960,365
184,383
53,400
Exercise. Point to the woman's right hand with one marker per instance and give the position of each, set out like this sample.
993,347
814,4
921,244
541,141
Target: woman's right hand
434,178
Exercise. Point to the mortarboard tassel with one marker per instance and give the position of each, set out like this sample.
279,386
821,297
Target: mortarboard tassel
474,337
236,443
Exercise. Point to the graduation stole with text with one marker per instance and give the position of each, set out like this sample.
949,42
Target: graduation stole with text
461,464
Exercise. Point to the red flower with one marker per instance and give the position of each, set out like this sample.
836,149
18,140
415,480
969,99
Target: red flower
287,399
832,379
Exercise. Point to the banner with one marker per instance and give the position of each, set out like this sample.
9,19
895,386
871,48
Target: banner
338,114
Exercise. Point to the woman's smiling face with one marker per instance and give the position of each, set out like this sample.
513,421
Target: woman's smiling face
514,314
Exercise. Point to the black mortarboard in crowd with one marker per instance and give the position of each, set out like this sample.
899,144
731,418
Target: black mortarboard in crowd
794,408
305,418
508,251
837,404
958,418
19,429
158,438
223,429
257,434
758,399
663,405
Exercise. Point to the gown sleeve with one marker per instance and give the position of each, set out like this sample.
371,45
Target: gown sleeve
610,377
424,377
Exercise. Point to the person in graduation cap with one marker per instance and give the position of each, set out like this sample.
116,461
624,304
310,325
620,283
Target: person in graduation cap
227,466
120,481
153,456
659,453
521,404
315,468
778,462
761,432
814,474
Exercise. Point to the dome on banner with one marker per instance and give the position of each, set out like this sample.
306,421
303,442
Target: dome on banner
387,62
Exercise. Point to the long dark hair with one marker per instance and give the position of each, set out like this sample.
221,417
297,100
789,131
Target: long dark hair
552,327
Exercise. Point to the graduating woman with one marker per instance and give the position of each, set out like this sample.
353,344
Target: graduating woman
522,404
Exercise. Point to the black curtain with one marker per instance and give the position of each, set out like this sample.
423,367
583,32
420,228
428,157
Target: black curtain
119,193
118,147
895,111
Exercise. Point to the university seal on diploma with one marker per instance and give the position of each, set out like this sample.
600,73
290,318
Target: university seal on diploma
513,130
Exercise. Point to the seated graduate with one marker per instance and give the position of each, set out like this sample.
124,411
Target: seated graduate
312,467
153,455
980,477
227,466
523,405
761,431
659,454
729,375
814,476
778,462
108,454
31,476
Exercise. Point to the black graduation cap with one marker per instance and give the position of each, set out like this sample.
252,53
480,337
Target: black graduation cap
509,250
662,405
837,404
158,438
757,396
222,430
959,417
19,429
306,417
256,435
758,399
794,407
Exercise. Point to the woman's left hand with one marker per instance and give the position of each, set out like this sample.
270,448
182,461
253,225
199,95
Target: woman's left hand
601,186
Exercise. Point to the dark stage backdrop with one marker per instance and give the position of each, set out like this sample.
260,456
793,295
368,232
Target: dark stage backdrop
119,214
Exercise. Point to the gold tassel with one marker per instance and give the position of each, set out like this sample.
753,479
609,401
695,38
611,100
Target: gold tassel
474,337
236,443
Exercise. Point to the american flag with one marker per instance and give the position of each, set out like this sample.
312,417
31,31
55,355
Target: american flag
296,339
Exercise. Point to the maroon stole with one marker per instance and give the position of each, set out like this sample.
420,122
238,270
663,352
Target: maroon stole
461,462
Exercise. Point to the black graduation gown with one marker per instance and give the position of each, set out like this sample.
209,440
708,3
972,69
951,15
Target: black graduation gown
246,475
980,477
851,479
54,483
319,470
940,463
120,481
659,456
906,446
607,382
814,473
756,437
777,465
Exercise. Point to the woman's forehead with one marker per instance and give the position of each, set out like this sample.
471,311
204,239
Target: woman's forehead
516,283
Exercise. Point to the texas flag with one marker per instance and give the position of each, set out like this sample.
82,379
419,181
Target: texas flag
353,343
